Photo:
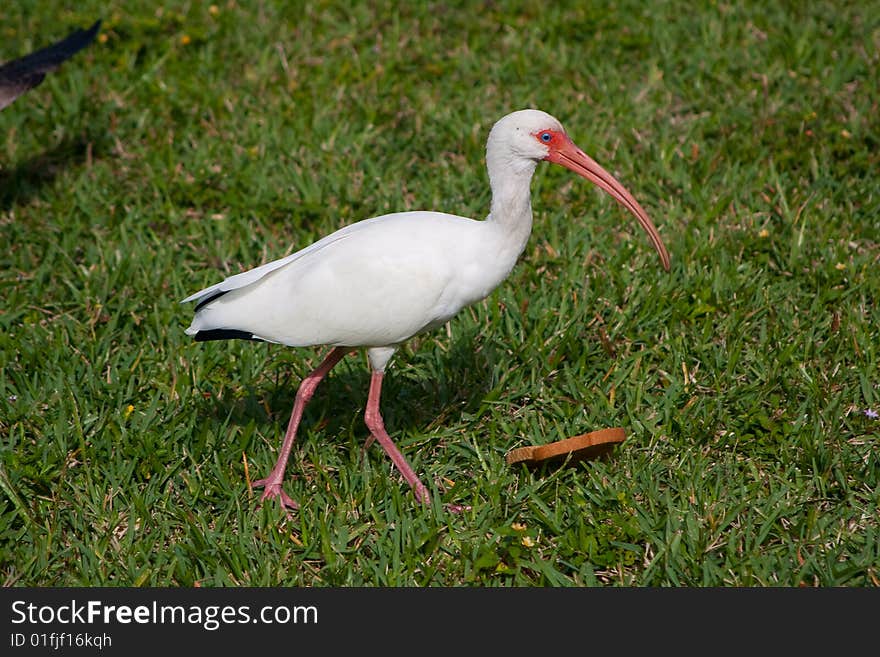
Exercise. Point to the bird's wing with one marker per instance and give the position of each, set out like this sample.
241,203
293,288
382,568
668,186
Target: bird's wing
19,75
12,89
255,274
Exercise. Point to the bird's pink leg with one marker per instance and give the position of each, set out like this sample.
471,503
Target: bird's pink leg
271,485
376,425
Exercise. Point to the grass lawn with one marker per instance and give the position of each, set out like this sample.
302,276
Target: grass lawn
193,142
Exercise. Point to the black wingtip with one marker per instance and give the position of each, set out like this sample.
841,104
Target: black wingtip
50,57
73,43
93,30
25,73
84,37
207,300
225,334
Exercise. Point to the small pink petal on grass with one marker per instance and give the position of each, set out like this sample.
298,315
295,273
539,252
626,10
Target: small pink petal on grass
871,414
458,508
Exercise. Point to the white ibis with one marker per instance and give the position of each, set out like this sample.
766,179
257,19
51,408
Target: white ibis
377,283
20,75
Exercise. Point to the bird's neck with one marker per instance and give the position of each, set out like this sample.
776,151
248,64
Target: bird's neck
511,208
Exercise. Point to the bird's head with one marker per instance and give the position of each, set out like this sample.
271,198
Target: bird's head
529,136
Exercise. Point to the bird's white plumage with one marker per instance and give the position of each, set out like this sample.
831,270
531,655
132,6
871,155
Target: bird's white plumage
374,283
378,282
253,275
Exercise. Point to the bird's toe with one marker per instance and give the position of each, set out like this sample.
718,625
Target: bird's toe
273,490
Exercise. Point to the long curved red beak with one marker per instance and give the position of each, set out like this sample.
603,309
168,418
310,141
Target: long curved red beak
574,159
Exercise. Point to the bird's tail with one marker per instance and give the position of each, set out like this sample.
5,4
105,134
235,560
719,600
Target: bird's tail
203,330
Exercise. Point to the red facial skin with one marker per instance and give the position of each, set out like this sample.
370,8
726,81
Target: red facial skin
563,151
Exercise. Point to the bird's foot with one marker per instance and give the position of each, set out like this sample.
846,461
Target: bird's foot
418,488
421,492
272,489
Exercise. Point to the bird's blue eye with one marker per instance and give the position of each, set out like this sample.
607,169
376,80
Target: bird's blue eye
546,136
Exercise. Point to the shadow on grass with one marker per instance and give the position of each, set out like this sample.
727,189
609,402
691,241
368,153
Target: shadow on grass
410,401
26,181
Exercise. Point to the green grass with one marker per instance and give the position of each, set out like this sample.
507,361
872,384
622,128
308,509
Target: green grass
191,144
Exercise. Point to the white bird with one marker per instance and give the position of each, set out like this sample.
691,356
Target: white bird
377,283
